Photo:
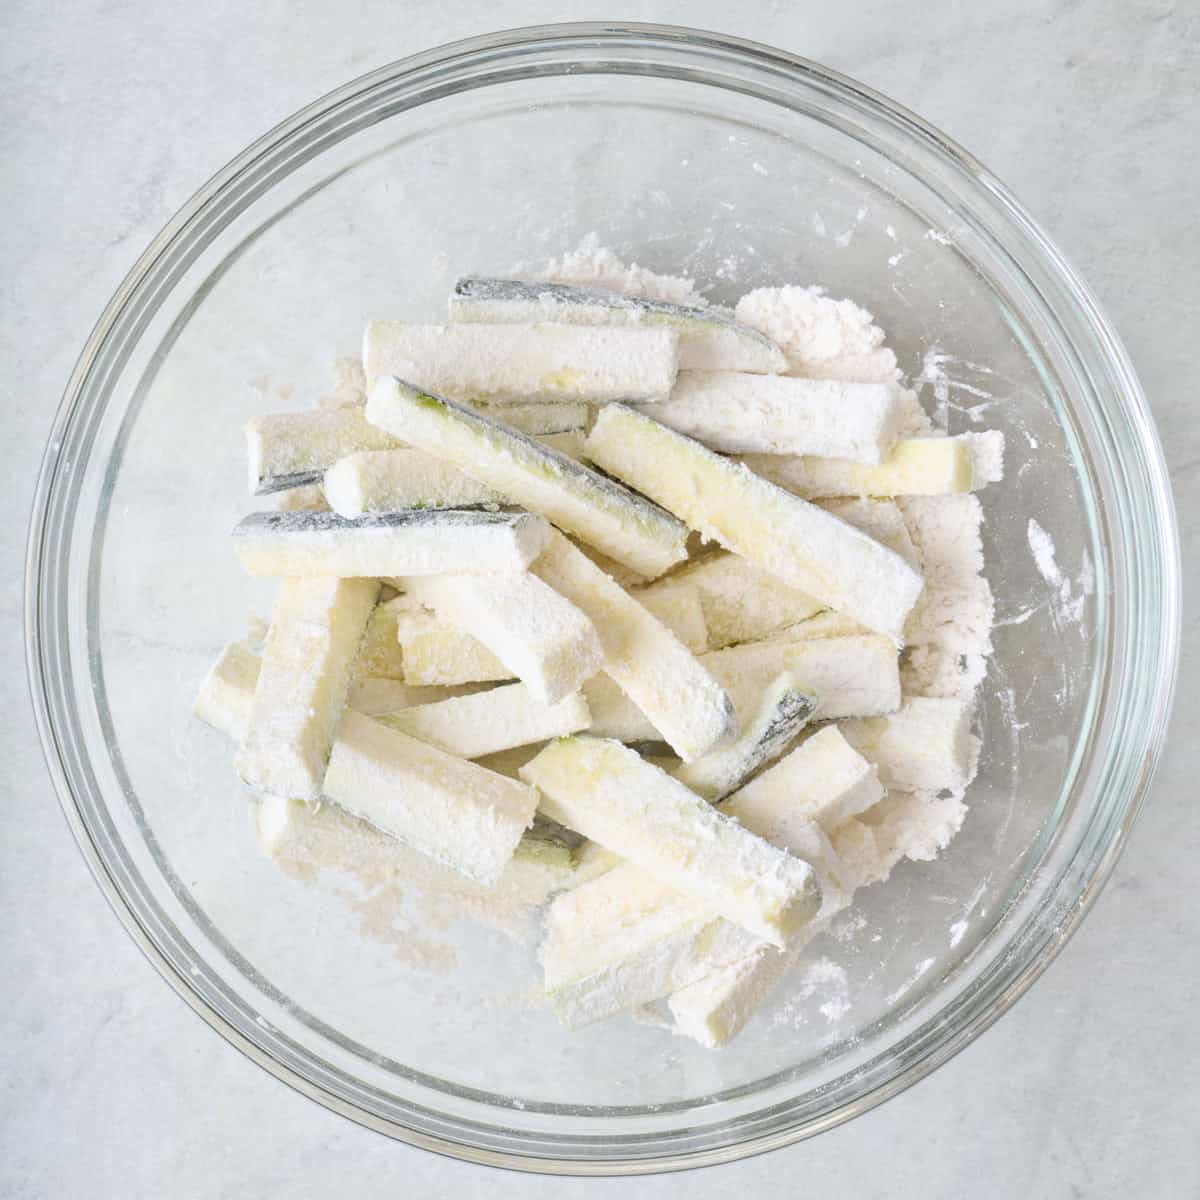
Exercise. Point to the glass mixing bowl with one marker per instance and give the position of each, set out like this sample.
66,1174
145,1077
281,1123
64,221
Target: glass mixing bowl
686,152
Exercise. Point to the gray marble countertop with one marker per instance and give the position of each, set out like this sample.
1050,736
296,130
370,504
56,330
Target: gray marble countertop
114,111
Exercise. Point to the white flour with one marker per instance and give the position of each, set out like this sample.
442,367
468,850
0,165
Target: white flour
823,338
918,971
1066,604
948,634
848,926
956,610
402,898
932,671
407,902
823,985
915,825
593,265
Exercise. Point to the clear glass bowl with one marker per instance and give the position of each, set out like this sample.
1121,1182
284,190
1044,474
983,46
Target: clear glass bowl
689,153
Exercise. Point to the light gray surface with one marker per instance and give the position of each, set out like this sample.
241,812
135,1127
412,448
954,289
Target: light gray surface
113,113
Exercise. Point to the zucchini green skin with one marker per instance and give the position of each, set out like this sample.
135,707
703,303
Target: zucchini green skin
786,710
500,301
605,513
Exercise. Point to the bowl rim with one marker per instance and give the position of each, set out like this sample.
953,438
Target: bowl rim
1147,451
